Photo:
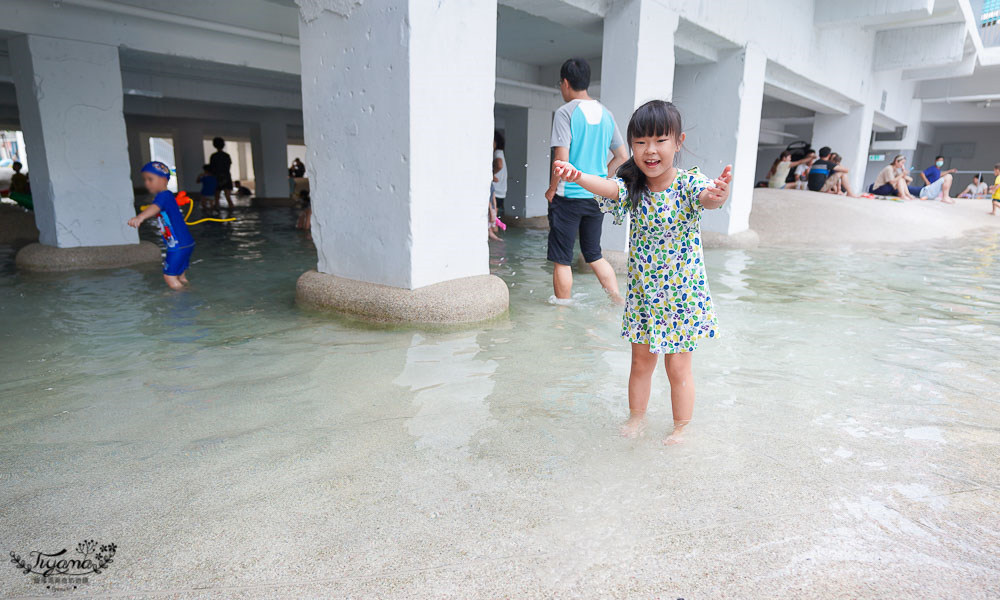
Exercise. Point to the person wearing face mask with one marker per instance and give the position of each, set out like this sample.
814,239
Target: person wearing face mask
934,172
936,181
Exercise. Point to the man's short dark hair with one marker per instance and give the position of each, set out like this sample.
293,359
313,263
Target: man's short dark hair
218,142
824,151
937,157
16,165
499,140
206,167
576,71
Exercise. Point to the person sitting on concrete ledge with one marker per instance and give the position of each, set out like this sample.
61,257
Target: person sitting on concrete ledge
893,180
821,169
779,170
837,182
938,182
976,189
20,187
932,173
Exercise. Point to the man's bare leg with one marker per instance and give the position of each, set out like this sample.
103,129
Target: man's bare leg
606,275
846,184
946,189
562,281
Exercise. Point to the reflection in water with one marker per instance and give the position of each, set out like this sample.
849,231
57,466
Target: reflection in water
451,386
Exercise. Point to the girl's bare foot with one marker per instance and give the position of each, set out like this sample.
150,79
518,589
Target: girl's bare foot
677,435
183,279
635,426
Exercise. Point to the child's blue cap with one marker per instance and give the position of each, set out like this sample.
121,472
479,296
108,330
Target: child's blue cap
156,168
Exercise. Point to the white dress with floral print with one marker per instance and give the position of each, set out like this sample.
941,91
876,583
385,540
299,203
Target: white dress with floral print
668,305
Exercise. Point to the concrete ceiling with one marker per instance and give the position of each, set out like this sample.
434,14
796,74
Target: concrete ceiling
538,41
272,16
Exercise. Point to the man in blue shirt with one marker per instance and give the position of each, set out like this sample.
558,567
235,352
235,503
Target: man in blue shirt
937,183
583,133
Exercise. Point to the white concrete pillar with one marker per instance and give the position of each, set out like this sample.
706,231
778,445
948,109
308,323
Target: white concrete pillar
398,102
637,66
69,96
269,146
189,154
850,136
528,158
720,107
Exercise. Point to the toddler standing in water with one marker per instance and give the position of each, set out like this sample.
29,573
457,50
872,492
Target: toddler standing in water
668,307
170,222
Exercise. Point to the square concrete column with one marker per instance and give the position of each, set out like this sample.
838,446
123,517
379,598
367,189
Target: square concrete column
189,154
637,66
269,146
720,106
528,164
850,136
69,97
398,102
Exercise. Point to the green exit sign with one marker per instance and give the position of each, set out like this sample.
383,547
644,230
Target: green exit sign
876,157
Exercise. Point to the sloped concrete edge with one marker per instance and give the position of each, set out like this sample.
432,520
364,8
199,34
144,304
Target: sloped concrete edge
465,300
39,257
744,240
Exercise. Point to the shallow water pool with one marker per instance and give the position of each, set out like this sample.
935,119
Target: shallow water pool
845,440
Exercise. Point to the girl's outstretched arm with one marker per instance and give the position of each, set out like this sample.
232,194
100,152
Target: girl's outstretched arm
592,183
716,195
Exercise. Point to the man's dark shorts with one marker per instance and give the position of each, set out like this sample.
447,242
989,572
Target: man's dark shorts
567,216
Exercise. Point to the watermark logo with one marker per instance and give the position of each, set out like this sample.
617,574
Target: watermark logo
65,567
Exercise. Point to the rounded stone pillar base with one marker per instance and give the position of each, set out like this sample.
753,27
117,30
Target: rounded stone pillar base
742,240
465,300
38,257
616,258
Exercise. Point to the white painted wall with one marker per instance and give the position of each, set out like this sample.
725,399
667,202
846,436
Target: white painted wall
69,98
720,105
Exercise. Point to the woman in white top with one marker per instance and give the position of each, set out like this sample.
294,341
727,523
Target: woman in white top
499,170
782,165
976,189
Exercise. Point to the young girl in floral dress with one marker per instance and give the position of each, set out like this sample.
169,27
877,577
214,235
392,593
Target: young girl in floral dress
668,307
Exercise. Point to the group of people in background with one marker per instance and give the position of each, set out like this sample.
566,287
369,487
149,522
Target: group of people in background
817,173
823,172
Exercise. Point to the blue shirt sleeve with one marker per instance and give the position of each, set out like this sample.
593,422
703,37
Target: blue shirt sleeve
163,198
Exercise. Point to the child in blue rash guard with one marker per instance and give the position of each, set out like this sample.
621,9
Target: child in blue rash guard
170,221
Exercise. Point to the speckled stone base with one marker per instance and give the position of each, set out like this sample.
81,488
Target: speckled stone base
616,258
37,257
743,240
465,300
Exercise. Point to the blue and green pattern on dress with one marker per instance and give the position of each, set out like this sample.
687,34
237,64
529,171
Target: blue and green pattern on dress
668,304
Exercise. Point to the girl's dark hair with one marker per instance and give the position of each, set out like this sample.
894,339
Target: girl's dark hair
777,161
498,139
654,118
